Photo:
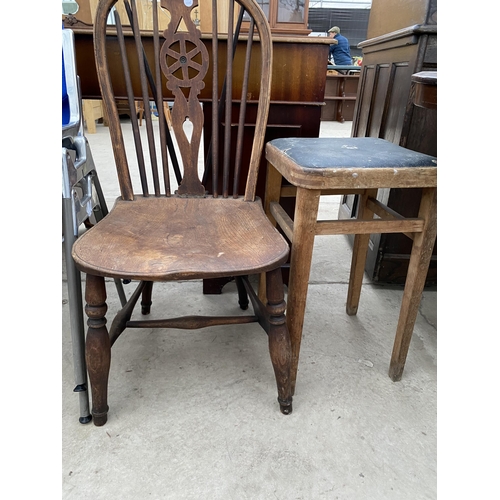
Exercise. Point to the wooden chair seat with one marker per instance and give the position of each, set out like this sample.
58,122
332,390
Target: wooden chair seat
156,239
344,166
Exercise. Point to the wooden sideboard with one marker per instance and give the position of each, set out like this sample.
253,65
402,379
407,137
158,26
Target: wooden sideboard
402,45
340,97
298,83
297,93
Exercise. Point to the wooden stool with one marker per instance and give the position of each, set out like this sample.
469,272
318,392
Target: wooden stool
359,165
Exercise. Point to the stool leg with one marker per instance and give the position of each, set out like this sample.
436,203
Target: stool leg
304,231
359,253
423,244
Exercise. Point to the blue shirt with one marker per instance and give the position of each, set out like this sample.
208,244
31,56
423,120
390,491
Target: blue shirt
340,52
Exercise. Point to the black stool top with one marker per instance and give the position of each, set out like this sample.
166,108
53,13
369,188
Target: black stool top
350,152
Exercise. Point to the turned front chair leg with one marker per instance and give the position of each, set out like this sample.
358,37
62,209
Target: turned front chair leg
304,230
279,339
359,254
97,347
421,253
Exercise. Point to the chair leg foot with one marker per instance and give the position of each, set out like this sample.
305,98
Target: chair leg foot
351,311
100,419
396,372
285,406
146,308
85,420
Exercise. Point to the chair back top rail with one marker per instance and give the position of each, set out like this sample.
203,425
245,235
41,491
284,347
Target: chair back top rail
182,65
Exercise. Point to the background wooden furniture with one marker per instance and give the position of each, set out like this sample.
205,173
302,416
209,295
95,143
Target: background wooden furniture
297,99
287,18
92,111
359,166
399,46
124,108
298,70
297,96
284,18
424,91
297,93
340,97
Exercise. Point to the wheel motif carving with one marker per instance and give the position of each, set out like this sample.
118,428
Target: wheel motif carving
178,60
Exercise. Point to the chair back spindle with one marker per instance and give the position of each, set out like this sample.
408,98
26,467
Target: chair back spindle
212,162
133,115
145,99
241,122
177,65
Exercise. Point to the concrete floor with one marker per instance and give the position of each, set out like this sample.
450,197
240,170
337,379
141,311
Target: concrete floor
193,415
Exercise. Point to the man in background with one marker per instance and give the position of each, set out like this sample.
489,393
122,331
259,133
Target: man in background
340,53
